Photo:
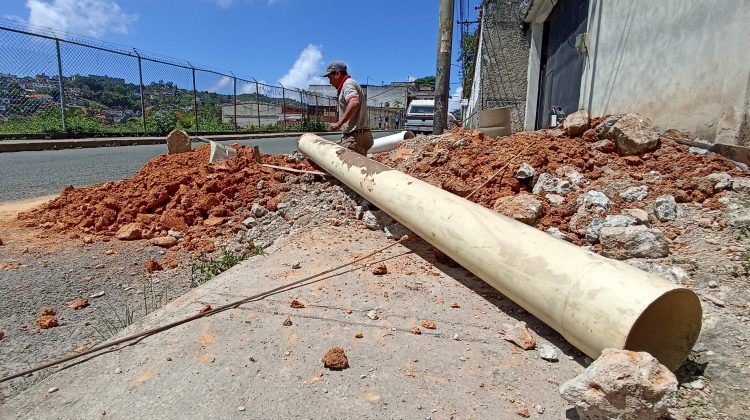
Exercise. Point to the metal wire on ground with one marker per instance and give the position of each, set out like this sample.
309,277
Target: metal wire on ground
156,330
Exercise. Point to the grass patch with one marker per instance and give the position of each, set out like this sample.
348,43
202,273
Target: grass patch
205,268
154,297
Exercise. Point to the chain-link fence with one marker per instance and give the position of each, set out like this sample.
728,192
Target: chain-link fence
112,90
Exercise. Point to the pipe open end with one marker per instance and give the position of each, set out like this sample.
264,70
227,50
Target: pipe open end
668,328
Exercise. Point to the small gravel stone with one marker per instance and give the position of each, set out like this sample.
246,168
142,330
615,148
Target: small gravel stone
372,315
53,389
547,352
241,408
716,301
118,371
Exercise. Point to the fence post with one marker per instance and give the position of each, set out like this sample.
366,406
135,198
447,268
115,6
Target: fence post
236,127
195,102
283,104
60,84
317,108
302,104
140,83
257,102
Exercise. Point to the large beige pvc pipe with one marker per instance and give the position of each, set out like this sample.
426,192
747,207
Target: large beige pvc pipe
593,301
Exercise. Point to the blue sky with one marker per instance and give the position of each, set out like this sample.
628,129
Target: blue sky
287,41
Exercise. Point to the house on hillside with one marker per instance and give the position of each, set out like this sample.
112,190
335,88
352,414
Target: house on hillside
682,63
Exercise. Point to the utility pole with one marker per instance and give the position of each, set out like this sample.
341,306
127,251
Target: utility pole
443,71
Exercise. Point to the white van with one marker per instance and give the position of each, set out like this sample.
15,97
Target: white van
419,116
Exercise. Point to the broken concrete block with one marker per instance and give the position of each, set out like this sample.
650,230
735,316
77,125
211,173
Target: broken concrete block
576,123
525,171
635,193
519,335
640,215
555,200
522,207
547,352
606,146
622,384
258,211
548,183
178,141
595,200
596,225
698,151
721,180
557,233
634,135
741,184
396,231
376,219
633,242
602,130
665,208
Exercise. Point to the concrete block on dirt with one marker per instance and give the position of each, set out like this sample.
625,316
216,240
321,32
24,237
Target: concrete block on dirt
634,135
525,171
622,384
594,228
178,141
640,215
595,200
602,130
549,183
741,184
635,193
665,208
377,219
576,123
633,242
522,207
257,210
721,180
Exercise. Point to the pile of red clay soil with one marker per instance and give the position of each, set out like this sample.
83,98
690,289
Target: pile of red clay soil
461,161
181,192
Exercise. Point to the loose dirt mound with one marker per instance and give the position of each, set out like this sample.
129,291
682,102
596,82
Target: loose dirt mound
182,192
462,161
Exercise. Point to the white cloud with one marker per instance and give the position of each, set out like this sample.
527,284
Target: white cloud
223,83
246,87
306,69
454,101
223,3
86,17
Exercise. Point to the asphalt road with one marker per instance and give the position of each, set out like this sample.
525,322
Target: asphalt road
26,175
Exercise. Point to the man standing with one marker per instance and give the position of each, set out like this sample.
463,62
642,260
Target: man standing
352,122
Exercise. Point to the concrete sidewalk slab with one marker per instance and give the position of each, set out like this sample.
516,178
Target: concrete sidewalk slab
243,363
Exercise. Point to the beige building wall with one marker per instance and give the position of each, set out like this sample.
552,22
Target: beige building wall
683,63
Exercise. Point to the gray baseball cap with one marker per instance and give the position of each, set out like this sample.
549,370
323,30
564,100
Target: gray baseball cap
334,66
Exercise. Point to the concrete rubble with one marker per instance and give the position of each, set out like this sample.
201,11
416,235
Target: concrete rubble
622,384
